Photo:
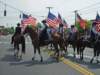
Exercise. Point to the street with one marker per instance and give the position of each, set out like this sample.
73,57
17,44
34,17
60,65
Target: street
9,65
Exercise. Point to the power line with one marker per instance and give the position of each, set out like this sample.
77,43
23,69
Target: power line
89,6
12,7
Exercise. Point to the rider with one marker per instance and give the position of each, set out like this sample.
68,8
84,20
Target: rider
61,29
17,31
73,30
44,34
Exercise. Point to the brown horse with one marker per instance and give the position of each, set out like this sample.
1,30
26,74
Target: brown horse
71,39
58,41
17,40
76,40
90,42
38,42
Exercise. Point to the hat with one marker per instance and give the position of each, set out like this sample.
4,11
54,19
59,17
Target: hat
72,26
43,21
18,24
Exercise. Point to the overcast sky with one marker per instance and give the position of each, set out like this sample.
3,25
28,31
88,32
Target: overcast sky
38,8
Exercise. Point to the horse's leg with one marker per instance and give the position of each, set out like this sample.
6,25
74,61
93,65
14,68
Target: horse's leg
74,50
81,52
17,45
57,51
23,46
64,50
40,53
23,49
34,53
78,49
12,39
14,49
51,46
61,50
97,57
66,45
95,53
91,61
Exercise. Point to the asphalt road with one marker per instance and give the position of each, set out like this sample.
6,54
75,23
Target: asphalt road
9,65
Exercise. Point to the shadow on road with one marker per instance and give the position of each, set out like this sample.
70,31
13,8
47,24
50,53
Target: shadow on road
14,61
9,58
85,62
30,63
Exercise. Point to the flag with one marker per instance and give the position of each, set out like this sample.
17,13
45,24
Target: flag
59,19
97,20
81,21
24,16
52,20
65,24
97,17
78,17
28,21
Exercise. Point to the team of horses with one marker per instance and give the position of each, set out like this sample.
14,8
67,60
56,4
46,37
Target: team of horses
79,43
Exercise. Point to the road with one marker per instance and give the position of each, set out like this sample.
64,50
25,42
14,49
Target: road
11,66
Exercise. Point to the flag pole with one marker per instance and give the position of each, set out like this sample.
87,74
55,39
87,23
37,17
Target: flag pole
75,16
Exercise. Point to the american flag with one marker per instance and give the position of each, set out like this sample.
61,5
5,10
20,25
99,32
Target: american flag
52,20
29,21
59,19
65,24
98,27
97,20
25,16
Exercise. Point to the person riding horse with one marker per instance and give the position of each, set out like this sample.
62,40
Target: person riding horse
61,30
17,32
72,33
44,35
18,39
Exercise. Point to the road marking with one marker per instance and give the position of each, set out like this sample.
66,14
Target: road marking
74,65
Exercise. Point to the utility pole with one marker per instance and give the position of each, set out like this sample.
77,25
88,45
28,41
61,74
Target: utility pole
75,15
49,8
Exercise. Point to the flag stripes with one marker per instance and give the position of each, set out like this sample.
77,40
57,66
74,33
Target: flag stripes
52,20
29,21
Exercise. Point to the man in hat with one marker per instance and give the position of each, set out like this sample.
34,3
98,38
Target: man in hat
72,32
44,35
17,31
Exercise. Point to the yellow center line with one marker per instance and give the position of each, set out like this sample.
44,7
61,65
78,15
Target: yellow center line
74,65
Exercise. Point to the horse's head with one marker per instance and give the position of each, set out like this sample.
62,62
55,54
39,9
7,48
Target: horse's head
29,30
26,30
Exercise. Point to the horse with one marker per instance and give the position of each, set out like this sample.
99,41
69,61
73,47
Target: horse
38,41
96,49
71,39
92,42
58,41
17,40
84,40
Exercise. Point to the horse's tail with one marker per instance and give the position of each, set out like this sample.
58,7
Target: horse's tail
23,44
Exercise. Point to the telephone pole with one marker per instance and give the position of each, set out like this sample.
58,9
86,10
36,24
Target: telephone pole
75,15
49,8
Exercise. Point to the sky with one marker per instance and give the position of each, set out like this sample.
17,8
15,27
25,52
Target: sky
38,9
